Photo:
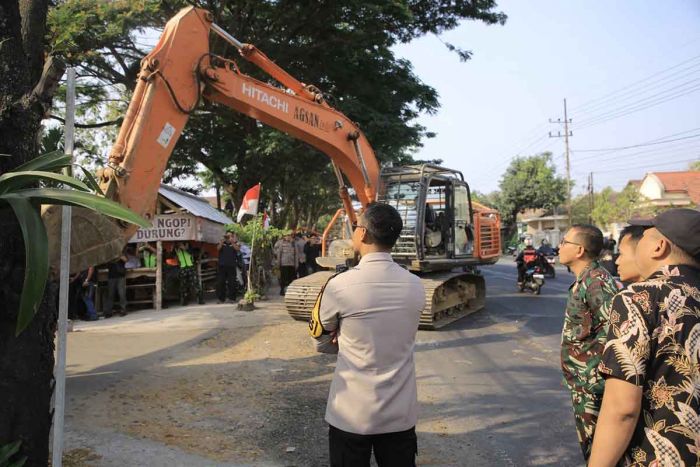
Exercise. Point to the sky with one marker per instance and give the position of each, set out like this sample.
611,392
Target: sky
629,70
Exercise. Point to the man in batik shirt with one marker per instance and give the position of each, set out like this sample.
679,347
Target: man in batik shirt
651,404
585,326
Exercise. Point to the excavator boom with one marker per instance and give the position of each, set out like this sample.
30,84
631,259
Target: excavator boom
173,78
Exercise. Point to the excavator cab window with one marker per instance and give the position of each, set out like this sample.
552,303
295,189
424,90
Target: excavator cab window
437,219
463,234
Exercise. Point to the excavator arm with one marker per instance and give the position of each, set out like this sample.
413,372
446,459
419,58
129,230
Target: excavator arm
181,70
173,78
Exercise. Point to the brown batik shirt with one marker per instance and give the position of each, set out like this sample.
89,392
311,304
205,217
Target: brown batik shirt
654,343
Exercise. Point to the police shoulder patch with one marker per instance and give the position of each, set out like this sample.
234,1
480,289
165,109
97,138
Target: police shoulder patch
315,326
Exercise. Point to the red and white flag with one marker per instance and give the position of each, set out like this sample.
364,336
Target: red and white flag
250,202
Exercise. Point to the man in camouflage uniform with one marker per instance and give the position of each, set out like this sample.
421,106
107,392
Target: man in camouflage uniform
585,326
189,282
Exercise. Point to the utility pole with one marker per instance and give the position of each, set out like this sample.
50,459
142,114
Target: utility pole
566,135
591,198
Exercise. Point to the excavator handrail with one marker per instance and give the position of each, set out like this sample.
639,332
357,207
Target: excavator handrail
421,169
327,230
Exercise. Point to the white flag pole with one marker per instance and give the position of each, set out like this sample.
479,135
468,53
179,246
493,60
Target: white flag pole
252,242
60,369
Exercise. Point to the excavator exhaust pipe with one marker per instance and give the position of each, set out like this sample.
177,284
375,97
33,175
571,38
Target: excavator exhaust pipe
95,238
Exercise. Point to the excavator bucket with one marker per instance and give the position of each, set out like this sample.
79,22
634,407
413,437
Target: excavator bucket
95,238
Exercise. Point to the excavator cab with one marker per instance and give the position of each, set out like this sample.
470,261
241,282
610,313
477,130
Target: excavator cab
435,205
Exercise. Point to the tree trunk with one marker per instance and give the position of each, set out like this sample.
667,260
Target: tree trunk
26,361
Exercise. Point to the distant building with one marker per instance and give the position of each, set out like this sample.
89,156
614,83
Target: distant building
670,189
540,223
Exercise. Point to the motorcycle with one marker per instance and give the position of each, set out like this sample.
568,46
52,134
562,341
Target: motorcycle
549,267
550,256
534,280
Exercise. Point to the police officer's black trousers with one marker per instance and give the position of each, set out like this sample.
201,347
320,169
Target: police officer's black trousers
396,449
226,284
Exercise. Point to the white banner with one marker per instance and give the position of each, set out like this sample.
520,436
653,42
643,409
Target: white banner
168,227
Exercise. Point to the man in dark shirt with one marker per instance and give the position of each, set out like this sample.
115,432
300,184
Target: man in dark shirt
652,358
116,283
226,276
312,250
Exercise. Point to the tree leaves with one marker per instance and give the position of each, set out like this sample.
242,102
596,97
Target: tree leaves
9,450
36,269
24,202
530,183
342,47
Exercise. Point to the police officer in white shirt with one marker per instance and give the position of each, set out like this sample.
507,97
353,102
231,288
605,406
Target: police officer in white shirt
369,315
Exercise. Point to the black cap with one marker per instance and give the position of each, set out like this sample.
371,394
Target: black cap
681,226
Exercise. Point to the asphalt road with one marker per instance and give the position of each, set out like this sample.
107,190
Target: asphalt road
490,384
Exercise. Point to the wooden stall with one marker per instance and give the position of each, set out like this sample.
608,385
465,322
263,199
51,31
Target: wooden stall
181,216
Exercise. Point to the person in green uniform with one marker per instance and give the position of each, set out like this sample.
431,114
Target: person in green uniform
189,282
585,326
148,255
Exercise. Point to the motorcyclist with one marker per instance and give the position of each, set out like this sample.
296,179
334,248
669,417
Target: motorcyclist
547,252
527,258
546,249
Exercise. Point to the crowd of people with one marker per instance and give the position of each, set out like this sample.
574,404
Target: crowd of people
633,355
630,354
630,349
295,257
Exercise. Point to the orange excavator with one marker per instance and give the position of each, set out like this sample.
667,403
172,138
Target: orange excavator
443,229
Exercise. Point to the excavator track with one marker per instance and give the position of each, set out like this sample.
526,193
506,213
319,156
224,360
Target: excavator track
302,293
449,296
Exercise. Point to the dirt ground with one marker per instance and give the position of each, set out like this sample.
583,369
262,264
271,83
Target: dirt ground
251,394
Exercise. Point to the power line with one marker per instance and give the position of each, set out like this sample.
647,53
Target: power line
606,174
641,155
625,167
526,139
642,104
597,156
586,104
649,151
638,145
632,92
661,164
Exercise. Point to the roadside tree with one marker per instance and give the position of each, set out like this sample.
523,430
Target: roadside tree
530,183
342,47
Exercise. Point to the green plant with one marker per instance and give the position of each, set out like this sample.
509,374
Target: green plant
38,182
253,227
251,296
6,453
